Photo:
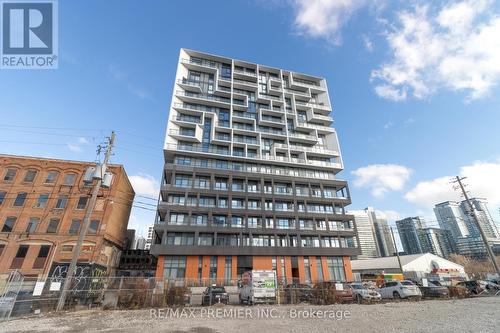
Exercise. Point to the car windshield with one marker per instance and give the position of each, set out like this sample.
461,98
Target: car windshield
407,283
218,290
356,286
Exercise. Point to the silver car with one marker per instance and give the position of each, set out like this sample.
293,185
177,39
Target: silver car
363,293
400,289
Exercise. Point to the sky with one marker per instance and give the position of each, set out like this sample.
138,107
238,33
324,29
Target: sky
414,87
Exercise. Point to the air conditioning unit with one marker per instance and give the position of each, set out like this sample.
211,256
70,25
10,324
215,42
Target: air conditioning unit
88,175
107,179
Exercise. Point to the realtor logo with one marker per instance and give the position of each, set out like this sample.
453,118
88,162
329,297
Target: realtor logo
29,34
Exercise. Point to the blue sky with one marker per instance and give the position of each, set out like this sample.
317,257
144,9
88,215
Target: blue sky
414,87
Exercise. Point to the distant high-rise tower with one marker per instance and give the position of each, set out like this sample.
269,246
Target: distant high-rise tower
450,217
484,217
374,234
250,176
409,235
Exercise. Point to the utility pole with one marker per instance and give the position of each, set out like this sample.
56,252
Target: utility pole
397,252
476,219
86,223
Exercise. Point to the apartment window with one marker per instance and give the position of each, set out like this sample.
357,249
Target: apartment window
69,179
253,186
199,220
18,260
183,160
336,269
177,218
32,225
182,181
228,240
330,242
30,175
192,201
283,269
282,241
254,222
301,190
221,184
206,239
187,131
285,223
43,253
207,202
316,192
175,267
222,203
52,227
320,225
319,269
10,174
42,201
269,205
180,238
20,199
309,241
219,221
82,202
9,224
177,199
61,202
2,197
202,182
228,266
238,203
238,185
74,227
51,177
263,240
237,222
329,192
213,267
306,224
269,223
93,227
200,267
307,270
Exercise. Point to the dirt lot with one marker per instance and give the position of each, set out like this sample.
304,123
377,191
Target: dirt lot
468,315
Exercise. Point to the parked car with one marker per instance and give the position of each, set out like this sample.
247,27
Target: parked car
455,291
400,289
433,290
363,293
472,286
298,293
214,294
331,293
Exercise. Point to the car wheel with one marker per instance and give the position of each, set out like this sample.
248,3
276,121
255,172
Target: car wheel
359,299
396,295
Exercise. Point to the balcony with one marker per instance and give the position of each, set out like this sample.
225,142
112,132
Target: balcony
211,100
243,84
197,149
303,137
190,85
180,118
325,120
270,97
313,150
200,65
186,136
320,128
247,141
272,121
244,73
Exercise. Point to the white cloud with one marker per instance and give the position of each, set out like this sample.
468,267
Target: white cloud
77,146
381,178
482,180
367,42
145,184
390,215
324,18
456,48
388,125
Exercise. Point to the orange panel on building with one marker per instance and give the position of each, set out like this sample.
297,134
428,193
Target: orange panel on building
260,262
192,267
159,267
348,269
312,267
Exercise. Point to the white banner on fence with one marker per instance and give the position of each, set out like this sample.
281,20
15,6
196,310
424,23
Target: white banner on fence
38,288
55,286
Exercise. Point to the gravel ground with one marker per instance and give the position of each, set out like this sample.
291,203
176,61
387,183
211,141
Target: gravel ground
468,315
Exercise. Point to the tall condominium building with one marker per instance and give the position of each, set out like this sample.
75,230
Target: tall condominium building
42,205
450,216
483,214
409,235
436,241
249,180
374,235
366,235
